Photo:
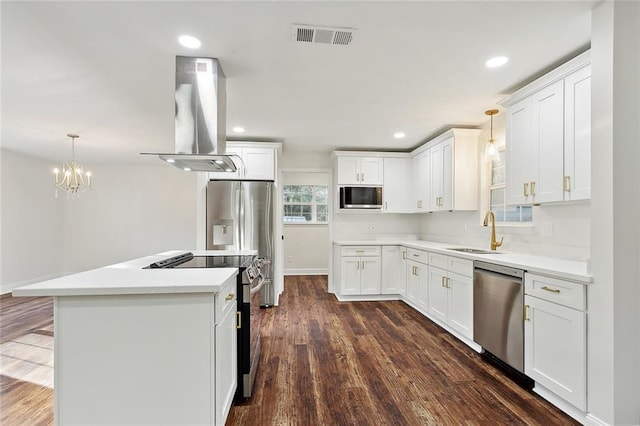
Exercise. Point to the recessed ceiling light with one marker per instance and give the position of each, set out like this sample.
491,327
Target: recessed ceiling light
189,41
238,129
498,61
399,135
171,160
218,161
187,169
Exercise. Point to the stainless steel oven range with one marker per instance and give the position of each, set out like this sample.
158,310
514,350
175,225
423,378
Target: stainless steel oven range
249,282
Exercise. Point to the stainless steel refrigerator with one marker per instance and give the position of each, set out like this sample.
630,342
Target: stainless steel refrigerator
240,217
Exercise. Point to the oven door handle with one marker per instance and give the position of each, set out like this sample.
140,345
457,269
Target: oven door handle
261,281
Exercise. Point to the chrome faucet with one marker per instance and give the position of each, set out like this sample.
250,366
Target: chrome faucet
494,243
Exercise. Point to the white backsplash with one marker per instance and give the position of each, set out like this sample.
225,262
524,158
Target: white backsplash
375,226
561,231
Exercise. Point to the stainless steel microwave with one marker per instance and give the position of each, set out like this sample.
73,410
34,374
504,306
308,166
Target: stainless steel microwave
360,197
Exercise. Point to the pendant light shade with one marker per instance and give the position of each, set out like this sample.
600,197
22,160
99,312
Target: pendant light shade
491,148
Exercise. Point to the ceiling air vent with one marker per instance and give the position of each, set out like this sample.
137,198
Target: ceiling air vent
322,35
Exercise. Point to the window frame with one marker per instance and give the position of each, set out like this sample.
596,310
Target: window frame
313,203
501,218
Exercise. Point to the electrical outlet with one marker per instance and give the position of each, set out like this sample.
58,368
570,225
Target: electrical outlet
290,259
372,227
547,229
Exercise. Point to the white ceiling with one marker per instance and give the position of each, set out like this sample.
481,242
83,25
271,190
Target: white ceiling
106,70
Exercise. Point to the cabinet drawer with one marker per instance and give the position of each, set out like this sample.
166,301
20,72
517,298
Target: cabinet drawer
439,260
226,299
562,292
360,251
460,266
418,256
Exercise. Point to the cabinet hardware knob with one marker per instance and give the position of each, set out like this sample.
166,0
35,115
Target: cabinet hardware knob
442,282
533,189
567,183
552,290
524,313
448,282
404,255
416,255
230,296
239,319
525,189
363,264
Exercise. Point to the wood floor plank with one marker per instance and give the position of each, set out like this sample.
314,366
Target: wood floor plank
378,363
326,362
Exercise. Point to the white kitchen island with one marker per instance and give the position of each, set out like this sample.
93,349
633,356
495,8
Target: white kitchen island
139,346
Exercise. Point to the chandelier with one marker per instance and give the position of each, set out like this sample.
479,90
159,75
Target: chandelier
491,149
72,179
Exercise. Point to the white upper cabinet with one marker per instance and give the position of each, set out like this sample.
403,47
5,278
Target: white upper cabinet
547,111
360,170
396,190
452,171
577,135
421,182
519,142
254,160
549,138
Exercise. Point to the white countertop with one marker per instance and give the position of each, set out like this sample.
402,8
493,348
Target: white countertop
130,278
560,268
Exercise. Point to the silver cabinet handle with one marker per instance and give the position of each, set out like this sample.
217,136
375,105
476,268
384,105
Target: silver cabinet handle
567,184
416,255
363,264
533,189
442,282
552,290
524,313
525,189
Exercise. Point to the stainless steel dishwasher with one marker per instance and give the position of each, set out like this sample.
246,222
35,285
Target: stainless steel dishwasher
498,303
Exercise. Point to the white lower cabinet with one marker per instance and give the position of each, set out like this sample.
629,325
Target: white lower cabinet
418,279
555,337
226,370
393,276
360,270
451,292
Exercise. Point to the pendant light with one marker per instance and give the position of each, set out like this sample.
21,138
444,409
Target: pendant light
491,149
72,179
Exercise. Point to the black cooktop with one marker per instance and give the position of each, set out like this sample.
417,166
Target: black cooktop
188,260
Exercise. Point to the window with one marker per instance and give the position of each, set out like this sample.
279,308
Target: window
503,212
306,204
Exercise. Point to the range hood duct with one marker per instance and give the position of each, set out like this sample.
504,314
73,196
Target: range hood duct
201,118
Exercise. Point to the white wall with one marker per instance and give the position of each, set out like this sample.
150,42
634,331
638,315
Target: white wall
31,221
306,247
305,159
613,320
131,212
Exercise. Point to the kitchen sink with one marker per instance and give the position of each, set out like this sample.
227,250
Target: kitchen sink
474,251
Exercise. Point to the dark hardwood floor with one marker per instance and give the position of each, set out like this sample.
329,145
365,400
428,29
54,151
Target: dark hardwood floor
330,363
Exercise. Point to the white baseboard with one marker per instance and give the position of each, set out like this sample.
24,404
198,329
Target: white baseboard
8,288
592,420
306,271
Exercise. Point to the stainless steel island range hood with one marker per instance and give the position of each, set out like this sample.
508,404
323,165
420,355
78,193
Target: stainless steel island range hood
200,122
